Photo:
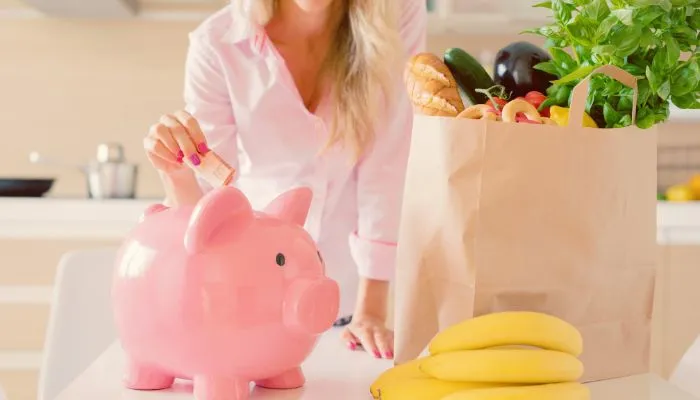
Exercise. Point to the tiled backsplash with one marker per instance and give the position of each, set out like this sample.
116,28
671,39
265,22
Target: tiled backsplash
679,153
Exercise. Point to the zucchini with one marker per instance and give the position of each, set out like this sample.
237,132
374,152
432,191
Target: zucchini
469,74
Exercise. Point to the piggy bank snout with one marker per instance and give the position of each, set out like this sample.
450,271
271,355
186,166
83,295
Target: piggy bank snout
311,305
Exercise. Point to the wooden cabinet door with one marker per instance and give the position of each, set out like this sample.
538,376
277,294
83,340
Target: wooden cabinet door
677,308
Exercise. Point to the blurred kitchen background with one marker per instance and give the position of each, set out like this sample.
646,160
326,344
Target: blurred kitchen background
75,74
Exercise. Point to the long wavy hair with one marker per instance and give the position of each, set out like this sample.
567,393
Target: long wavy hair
362,66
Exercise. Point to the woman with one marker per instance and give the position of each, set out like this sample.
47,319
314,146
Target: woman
307,92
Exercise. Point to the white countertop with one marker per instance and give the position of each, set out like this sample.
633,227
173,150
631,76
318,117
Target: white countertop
54,218
331,369
678,223
679,115
332,372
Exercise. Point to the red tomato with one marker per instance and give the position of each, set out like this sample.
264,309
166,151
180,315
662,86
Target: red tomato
535,98
493,110
501,102
534,94
521,118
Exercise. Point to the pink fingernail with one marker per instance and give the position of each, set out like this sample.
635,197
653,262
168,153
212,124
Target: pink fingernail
180,154
377,354
389,354
352,345
202,148
179,160
195,160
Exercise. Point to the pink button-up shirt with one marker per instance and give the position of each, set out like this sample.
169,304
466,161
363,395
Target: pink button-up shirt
238,87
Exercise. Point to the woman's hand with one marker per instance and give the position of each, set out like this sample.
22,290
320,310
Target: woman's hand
174,140
368,326
372,334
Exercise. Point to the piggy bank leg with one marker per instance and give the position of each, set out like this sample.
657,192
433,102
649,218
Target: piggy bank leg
143,377
292,379
218,388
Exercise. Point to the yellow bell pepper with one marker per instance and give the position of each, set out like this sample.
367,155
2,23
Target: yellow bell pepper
680,193
560,115
694,184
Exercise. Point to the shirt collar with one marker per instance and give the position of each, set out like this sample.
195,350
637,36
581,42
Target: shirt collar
242,29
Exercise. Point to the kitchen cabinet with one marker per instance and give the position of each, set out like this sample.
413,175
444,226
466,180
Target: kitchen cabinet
677,298
19,385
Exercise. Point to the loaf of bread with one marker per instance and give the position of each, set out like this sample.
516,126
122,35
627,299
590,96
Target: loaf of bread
431,86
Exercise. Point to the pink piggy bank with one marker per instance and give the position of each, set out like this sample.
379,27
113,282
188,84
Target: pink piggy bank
223,295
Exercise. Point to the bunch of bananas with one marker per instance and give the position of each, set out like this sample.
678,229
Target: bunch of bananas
500,356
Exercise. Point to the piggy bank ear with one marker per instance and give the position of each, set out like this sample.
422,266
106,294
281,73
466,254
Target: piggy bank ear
292,206
219,214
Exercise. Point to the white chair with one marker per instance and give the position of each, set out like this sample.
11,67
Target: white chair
687,373
81,325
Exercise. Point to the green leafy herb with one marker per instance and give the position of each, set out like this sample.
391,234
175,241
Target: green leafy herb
658,41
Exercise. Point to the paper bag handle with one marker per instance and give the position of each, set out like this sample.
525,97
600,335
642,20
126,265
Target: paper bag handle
580,92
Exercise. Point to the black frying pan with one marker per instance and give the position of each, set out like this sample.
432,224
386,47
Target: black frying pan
24,187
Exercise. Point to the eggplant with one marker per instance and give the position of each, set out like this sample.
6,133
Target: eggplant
514,69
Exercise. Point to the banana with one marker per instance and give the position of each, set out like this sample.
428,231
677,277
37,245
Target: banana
555,391
409,370
509,328
424,389
506,366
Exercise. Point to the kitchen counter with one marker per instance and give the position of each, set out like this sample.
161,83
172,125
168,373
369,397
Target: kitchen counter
54,218
59,218
678,223
331,368
679,115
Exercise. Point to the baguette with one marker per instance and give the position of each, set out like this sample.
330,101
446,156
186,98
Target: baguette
431,86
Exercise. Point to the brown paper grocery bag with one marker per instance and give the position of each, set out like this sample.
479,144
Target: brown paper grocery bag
501,216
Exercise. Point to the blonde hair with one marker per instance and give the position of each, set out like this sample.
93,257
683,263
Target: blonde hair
363,66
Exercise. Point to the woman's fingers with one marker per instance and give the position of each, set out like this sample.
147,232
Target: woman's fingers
155,147
176,138
367,340
161,163
162,142
182,137
192,126
350,339
385,342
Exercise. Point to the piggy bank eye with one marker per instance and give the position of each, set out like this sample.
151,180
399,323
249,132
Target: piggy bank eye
319,256
280,260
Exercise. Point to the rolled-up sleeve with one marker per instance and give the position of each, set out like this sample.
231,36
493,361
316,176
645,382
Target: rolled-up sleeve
207,98
381,173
